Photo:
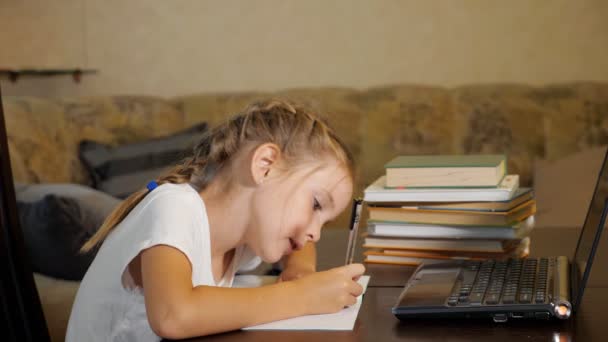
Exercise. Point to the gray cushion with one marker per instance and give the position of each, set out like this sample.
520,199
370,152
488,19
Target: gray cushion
94,203
57,219
53,234
122,170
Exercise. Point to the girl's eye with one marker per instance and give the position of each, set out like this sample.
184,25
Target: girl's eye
316,205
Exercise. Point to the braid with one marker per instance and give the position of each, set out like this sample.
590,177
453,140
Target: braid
178,174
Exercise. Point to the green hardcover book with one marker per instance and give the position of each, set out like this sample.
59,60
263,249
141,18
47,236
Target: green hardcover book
483,170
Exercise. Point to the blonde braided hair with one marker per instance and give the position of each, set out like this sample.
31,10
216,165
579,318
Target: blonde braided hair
299,133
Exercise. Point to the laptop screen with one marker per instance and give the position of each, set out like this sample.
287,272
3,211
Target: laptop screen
590,234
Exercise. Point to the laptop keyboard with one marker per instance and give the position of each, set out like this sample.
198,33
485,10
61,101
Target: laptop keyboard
512,281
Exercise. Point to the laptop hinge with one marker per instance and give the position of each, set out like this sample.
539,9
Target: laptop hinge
562,306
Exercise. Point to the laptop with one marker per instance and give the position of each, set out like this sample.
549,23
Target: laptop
518,288
20,309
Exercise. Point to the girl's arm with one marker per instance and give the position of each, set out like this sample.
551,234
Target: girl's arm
300,263
177,310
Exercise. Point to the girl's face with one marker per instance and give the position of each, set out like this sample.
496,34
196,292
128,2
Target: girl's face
289,211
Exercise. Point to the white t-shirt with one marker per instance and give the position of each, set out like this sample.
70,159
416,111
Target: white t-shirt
173,215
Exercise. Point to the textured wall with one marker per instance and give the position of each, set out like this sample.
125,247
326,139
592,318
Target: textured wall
178,47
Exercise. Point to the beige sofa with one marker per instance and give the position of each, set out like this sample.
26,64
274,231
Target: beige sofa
527,123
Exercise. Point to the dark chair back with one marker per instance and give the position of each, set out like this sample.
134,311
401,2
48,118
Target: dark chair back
20,307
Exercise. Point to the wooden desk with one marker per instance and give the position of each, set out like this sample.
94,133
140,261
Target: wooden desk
376,322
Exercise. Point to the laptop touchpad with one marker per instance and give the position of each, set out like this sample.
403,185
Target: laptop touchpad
430,288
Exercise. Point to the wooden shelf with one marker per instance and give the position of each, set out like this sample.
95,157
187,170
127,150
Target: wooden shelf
14,74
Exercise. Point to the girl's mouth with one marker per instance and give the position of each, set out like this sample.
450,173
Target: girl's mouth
294,245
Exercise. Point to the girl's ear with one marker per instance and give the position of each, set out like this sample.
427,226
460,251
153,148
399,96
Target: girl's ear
264,158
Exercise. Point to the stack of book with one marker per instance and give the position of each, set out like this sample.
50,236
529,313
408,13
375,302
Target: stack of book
432,208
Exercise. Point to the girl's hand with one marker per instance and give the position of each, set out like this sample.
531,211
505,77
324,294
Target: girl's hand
330,291
295,272
299,263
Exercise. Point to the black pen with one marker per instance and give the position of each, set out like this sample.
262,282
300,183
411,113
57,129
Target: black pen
354,227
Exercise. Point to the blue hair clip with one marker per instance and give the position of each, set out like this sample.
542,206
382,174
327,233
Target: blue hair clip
151,185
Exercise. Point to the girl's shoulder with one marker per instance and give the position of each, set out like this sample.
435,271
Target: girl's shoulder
174,187
171,211
172,201
171,191
184,188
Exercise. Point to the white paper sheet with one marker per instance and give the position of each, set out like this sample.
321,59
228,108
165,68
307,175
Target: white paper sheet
343,320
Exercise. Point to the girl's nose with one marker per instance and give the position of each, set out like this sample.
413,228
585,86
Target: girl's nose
312,237
314,234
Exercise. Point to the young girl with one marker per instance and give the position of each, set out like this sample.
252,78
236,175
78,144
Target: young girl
259,186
